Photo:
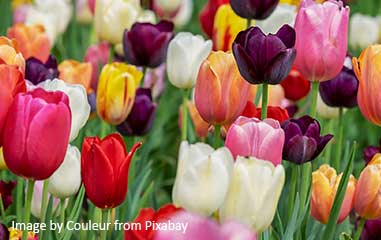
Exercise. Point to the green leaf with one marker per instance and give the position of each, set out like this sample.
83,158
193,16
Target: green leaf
292,226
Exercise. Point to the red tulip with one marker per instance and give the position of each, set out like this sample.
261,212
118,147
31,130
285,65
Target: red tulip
12,82
295,85
207,15
277,113
37,133
105,165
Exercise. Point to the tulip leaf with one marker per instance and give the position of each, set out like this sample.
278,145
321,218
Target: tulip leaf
339,198
133,207
75,212
292,226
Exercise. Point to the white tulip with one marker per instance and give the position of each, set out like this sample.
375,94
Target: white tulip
283,14
168,5
254,193
325,111
185,55
66,180
184,14
203,177
79,105
363,31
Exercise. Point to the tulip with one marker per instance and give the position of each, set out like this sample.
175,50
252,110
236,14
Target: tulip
254,9
142,115
15,234
221,93
372,230
370,151
12,83
6,189
184,14
207,15
366,68
226,27
185,55
303,142
283,14
295,86
325,111
321,39
177,11
276,113
367,199
75,72
3,166
37,71
255,138
265,59
147,215
116,91
364,30
79,106
104,169
65,182
154,78
83,12
32,41
254,193
37,140
167,6
4,232
98,56
37,199
325,183
146,44
10,54
203,172
203,228
20,13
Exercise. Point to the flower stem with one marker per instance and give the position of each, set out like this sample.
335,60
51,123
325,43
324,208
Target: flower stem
293,184
105,213
264,100
305,185
339,148
359,229
19,188
217,133
2,210
44,200
28,202
248,23
62,209
111,54
103,132
315,90
185,116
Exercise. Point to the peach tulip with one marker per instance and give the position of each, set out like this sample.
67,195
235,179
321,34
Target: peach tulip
10,53
75,72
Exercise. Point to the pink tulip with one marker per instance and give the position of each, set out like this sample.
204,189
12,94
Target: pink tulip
321,39
253,137
97,55
204,229
36,133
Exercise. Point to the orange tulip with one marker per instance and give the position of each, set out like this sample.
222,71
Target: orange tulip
32,40
72,71
325,182
367,195
10,54
368,71
221,93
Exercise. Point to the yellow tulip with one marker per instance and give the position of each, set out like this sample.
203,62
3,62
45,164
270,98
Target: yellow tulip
116,91
3,166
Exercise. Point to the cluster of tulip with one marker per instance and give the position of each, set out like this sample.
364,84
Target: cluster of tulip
259,156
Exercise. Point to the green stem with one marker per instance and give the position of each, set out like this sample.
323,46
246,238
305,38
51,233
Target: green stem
111,54
359,229
264,100
314,95
105,213
28,202
248,23
217,136
44,204
2,210
19,190
305,185
339,148
258,96
184,117
292,192
328,151
103,132
62,209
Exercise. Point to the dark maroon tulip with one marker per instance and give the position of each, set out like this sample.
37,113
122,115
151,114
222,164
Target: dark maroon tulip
254,9
6,189
372,230
340,91
370,151
37,71
140,120
4,233
265,59
303,142
146,44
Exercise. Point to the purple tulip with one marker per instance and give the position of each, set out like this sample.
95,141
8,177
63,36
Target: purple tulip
4,233
140,120
340,91
303,142
372,230
370,151
265,59
254,9
146,44
37,71
6,189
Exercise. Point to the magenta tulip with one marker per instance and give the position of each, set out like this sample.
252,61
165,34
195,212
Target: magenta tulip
321,39
256,138
37,133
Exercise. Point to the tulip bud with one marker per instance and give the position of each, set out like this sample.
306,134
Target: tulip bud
364,31
79,106
254,9
367,70
203,172
66,181
108,160
254,193
10,53
255,138
37,71
265,59
185,55
146,44
37,140
75,72
116,91
207,15
221,93
325,183
37,199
